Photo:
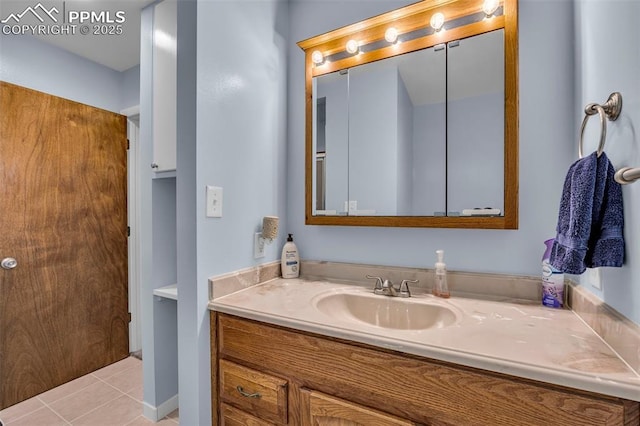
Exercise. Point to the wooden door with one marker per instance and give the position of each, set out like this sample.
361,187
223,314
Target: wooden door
63,308
323,410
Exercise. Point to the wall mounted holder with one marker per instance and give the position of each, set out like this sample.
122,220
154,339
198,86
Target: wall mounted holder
268,234
611,110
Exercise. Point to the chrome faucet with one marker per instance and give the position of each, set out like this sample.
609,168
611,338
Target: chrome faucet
386,287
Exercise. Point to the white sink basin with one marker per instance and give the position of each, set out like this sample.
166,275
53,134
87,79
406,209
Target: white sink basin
386,312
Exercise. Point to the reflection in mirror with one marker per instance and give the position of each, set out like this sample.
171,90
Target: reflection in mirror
380,137
475,125
397,135
419,134
331,143
425,77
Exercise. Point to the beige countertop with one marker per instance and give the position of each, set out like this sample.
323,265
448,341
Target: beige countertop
521,339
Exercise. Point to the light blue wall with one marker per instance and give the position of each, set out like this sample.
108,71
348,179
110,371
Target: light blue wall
242,132
606,62
429,158
131,87
475,130
373,137
547,133
232,124
405,149
193,326
29,62
335,89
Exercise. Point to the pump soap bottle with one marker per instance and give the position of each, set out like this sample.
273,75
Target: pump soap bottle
440,287
290,262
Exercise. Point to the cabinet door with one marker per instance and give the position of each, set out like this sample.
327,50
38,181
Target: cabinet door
164,86
234,417
322,410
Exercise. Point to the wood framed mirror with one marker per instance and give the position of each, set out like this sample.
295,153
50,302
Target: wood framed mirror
416,131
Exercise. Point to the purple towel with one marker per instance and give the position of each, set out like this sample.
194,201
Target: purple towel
590,221
606,243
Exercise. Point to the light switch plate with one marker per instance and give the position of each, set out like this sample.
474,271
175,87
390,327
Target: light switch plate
214,201
593,278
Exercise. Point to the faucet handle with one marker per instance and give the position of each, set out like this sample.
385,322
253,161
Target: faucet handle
378,284
404,288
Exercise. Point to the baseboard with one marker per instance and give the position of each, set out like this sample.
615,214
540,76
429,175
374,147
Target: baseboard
155,414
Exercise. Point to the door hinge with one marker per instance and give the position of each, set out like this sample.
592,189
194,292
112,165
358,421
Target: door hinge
129,316
128,231
128,144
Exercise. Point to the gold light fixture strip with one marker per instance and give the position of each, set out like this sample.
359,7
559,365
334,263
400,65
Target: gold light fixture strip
403,32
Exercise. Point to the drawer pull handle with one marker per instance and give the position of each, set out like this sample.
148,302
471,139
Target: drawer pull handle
247,394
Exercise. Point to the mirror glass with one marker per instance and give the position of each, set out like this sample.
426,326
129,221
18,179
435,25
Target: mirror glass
475,125
418,134
413,125
331,142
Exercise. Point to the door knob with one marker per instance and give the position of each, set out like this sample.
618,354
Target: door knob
9,263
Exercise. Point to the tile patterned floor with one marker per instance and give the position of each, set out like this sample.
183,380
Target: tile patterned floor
111,396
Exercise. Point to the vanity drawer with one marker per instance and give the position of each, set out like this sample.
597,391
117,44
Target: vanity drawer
233,417
260,394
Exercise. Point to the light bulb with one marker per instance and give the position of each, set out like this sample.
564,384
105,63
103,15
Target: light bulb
489,7
317,57
437,21
391,35
352,46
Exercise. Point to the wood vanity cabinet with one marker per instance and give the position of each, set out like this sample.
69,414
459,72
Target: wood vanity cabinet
269,375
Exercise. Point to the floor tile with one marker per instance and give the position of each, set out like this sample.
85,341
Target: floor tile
20,409
127,379
111,396
118,412
143,421
67,389
117,367
41,417
175,414
87,399
136,393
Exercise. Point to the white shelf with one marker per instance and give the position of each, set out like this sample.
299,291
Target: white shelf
168,292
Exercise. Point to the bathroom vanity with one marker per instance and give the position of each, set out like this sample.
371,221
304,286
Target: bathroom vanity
302,352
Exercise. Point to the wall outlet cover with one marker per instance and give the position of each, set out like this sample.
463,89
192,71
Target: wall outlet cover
593,278
258,246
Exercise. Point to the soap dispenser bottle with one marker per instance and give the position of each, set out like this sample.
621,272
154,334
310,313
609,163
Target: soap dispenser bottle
440,287
290,262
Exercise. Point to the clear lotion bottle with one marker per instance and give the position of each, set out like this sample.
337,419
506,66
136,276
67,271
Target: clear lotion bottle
440,287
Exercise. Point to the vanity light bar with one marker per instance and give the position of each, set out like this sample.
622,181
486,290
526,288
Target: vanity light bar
415,34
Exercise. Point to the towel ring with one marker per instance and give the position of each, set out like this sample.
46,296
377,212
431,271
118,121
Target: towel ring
590,110
610,109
